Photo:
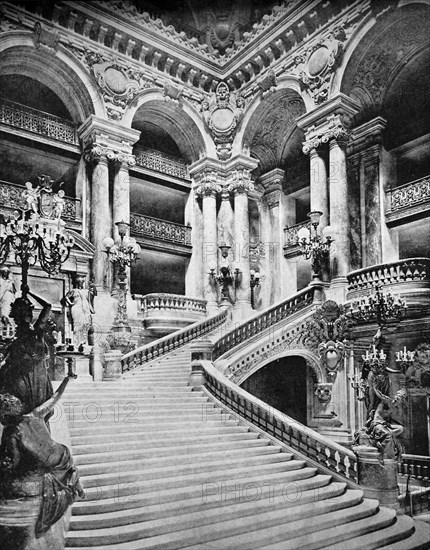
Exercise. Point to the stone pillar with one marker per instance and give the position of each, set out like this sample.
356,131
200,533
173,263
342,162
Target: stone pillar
193,277
339,218
241,185
318,181
272,183
101,219
121,190
354,210
208,192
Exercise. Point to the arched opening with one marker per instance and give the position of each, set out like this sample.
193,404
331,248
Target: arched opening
284,385
159,190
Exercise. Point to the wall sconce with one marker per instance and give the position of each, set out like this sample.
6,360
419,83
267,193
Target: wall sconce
313,246
226,277
253,282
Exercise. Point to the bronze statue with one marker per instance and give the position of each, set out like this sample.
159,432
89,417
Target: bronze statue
30,458
24,373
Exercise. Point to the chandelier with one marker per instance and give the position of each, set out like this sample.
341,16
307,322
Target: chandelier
313,246
379,306
37,233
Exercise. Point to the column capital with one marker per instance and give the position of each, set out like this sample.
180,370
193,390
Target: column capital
207,184
366,136
272,180
273,198
123,160
240,182
108,134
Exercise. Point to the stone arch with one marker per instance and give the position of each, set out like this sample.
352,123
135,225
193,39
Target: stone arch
267,131
59,71
180,120
311,360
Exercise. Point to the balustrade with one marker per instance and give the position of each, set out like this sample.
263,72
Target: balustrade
163,301
35,121
291,233
403,271
11,198
409,195
263,321
160,229
415,466
338,459
160,162
139,357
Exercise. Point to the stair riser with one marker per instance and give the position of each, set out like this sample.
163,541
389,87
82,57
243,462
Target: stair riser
112,485
126,462
95,456
232,501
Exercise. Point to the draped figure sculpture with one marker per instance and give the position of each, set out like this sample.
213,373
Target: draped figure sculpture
7,295
34,466
80,309
24,373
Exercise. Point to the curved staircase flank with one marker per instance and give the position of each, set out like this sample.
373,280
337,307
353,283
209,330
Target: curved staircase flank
165,467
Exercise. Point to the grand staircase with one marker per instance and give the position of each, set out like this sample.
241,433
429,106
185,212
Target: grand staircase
165,467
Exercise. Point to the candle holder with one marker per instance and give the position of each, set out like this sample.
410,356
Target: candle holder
226,277
253,283
404,359
314,247
378,306
359,385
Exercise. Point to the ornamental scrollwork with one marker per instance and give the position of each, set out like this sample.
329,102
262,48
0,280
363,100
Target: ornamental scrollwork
222,115
418,374
329,330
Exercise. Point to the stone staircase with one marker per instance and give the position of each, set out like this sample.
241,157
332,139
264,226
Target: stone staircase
163,468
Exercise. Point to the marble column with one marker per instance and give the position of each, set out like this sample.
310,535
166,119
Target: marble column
318,185
210,244
339,217
354,208
241,186
121,190
101,220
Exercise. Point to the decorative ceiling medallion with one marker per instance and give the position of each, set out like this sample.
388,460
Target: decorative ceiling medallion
222,116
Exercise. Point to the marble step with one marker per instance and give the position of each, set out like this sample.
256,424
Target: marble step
194,533
141,472
285,485
282,490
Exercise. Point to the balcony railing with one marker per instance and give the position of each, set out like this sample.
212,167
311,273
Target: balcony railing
411,195
169,302
290,233
11,198
263,321
140,356
160,162
339,460
411,270
23,117
415,466
160,229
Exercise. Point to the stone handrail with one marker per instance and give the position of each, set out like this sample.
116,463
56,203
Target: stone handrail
263,320
415,466
290,233
408,270
161,162
168,302
38,122
340,460
11,198
140,356
160,229
409,194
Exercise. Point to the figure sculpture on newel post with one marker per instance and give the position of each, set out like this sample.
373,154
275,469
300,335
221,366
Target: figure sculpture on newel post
79,303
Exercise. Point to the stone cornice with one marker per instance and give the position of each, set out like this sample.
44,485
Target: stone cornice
272,180
367,135
108,134
164,54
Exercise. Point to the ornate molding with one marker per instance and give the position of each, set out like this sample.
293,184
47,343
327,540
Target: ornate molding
418,374
240,182
334,130
46,37
222,115
323,392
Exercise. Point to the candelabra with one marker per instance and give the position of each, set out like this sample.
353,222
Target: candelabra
359,385
37,238
405,358
314,246
378,306
254,282
122,254
226,277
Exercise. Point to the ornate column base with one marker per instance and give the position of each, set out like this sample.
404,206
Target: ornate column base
377,480
112,362
337,290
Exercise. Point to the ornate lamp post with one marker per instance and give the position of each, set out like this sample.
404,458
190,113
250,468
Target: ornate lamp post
314,246
254,282
226,277
122,254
